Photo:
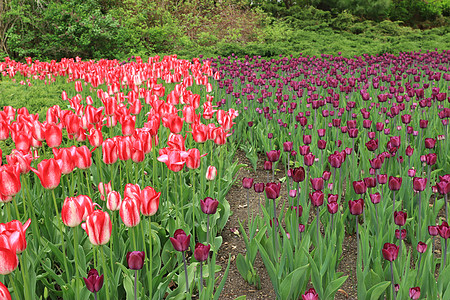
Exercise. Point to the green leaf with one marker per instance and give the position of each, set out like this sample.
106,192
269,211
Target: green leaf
222,282
293,282
241,265
377,290
270,269
333,286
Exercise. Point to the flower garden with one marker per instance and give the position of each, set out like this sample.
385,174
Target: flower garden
122,191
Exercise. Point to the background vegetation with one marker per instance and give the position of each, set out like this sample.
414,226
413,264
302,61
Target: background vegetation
122,28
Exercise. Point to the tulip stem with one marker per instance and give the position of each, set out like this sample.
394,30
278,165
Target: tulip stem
105,272
357,239
88,184
16,208
418,266
185,272
201,277
207,229
150,257
95,295
420,214
31,207
317,229
392,279
58,217
13,283
445,254
446,207
25,277
75,251
193,178
275,235
393,206
135,284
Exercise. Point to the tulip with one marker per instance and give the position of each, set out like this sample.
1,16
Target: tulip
114,201
53,135
209,205
310,294
49,173
414,293
390,252
308,159
400,235
104,190
259,187
135,260
400,218
359,187
298,174
109,151
211,173
356,206
24,161
83,158
273,155
317,183
130,212
128,125
316,198
247,183
174,159
10,180
419,184
273,190
149,200
94,282
98,227
8,261
201,252
193,158
287,146
180,243
372,145
71,212
4,292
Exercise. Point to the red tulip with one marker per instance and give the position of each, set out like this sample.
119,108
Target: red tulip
149,201
137,151
433,230
201,252
180,241
193,158
65,159
130,212
109,151
10,180
49,173
98,227
104,190
53,135
71,212
199,133
431,159
8,261
356,206
22,141
211,173
83,158
332,207
95,137
174,159
390,251
176,142
4,130
4,292
304,150
23,161
128,125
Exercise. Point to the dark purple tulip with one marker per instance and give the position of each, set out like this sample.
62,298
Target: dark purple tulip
135,260
443,187
298,174
270,135
326,175
359,187
267,165
307,139
372,145
406,119
379,126
414,293
376,163
287,146
247,182
409,151
419,184
395,141
431,159
400,218
301,228
316,198
298,210
332,198
370,182
201,252
336,160
209,205
356,206
400,234
259,187
273,190
433,230
332,207
444,230
303,150
310,294
273,155
390,251
395,183
308,159
321,144
375,198
430,143
421,247
180,241
423,124
353,133
317,183
93,282
382,178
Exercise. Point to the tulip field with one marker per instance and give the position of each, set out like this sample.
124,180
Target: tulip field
121,191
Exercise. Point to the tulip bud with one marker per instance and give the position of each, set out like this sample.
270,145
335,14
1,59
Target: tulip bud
180,240
201,252
211,173
135,260
4,292
93,282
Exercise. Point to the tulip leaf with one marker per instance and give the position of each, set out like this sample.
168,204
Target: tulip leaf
333,286
377,290
292,284
270,269
223,281
241,265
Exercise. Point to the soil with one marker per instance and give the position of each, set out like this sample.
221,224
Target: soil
233,244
